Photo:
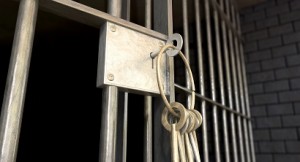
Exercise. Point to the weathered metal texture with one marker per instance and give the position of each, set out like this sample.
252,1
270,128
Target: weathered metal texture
235,88
14,96
201,78
127,64
229,83
212,80
148,117
163,23
248,124
221,79
108,134
93,17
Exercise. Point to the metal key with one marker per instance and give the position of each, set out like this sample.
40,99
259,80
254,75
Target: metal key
189,151
195,148
181,147
174,143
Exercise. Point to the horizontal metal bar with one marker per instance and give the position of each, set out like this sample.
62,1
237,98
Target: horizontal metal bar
225,17
211,101
93,17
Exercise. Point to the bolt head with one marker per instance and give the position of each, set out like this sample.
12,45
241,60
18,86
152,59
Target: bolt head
110,77
161,44
113,28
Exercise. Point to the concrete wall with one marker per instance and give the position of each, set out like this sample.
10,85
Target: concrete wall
272,47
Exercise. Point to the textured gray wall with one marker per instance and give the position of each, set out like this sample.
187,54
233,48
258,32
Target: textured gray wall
272,47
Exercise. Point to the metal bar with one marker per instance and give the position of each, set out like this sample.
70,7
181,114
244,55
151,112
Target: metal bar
125,126
247,107
212,80
126,6
229,86
201,79
228,13
226,18
89,16
109,124
109,118
236,99
210,101
236,93
163,23
125,115
221,81
114,8
232,11
14,96
148,129
241,87
171,59
186,43
242,100
148,13
163,19
148,100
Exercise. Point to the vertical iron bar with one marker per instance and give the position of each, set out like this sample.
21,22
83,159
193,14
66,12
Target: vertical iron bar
212,80
186,43
148,99
171,60
148,13
108,134
14,96
187,55
233,131
242,98
114,7
236,94
201,79
241,87
148,129
221,81
125,126
163,23
128,8
125,115
229,86
247,107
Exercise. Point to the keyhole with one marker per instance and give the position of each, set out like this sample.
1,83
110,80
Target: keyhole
175,43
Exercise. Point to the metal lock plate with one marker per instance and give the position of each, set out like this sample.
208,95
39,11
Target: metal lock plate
125,62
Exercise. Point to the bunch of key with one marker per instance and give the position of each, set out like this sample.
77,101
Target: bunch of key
179,121
182,126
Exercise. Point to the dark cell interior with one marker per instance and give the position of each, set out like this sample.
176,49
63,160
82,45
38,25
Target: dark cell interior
62,112
63,106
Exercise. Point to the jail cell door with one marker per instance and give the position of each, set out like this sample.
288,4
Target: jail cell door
212,45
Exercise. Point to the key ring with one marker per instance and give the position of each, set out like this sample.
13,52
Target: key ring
182,119
159,80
